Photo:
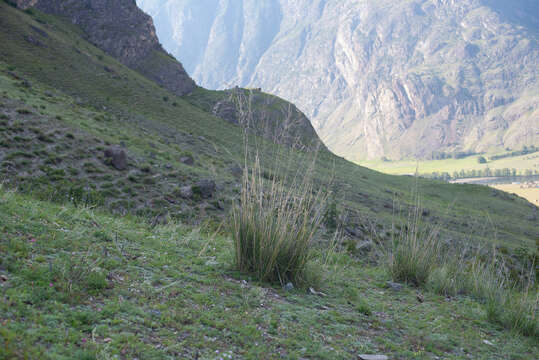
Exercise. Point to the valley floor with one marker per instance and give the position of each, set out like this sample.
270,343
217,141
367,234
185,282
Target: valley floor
523,186
408,167
79,283
528,191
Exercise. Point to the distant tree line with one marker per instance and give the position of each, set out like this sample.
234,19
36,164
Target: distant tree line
525,151
479,173
440,155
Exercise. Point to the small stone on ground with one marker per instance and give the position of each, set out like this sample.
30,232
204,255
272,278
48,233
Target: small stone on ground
373,357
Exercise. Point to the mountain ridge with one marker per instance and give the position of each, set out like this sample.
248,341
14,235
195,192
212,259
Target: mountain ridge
377,79
123,31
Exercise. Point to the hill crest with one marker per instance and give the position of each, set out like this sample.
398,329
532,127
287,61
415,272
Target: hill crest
126,33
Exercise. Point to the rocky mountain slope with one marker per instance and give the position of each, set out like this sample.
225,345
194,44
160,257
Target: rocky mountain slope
377,78
78,125
106,176
123,31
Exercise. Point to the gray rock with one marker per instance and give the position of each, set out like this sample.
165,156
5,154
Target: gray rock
226,110
373,357
187,160
117,158
236,171
288,287
205,188
394,286
186,192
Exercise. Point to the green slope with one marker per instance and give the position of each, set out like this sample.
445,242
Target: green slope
77,283
84,101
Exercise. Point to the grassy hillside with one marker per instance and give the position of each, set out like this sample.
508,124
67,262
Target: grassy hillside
100,261
64,102
77,283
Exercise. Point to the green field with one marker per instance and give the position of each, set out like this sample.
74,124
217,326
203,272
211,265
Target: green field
409,167
521,165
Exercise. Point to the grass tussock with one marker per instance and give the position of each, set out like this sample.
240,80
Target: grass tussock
415,252
274,225
417,256
507,303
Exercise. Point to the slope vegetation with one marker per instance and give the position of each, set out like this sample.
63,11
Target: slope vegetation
80,284
65,102
107,176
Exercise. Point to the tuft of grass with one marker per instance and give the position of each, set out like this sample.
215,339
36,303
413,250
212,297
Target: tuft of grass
415,252
416,256
273,227
363,308
521,312
446,280
24,111
488,282
504,304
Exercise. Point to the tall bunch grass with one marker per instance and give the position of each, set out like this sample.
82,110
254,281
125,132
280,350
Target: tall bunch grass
274,224
417,256
415,251
504,303
522,312
507,303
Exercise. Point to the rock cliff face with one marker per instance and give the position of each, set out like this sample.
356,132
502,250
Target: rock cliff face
123,31
377,77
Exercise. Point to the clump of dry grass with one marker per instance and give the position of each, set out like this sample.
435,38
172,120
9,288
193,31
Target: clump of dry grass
415,251
505,304
486,278
274,224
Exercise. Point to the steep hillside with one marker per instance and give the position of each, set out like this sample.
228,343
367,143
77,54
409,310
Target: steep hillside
65,103
114,193
77,283
377,78
123,31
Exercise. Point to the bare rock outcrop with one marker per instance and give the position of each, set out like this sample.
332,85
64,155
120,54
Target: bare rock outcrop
126,33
